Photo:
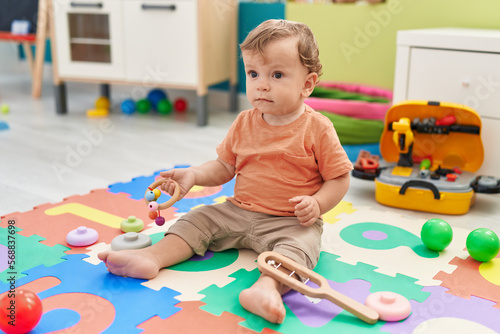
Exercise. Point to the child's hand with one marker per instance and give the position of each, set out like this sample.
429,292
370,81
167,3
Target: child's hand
183,176
306,209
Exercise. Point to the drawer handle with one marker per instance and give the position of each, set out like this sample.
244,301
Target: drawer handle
158,7
87,4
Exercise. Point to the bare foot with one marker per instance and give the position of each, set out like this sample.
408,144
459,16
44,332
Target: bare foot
264,299
146,262
136,263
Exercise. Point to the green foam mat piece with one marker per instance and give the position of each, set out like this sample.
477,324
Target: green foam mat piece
28,252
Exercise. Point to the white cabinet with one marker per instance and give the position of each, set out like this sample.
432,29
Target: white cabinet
171,59
184,44
454,65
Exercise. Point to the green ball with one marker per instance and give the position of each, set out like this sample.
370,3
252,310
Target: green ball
482,244
164,107
4,109
436,234
143,106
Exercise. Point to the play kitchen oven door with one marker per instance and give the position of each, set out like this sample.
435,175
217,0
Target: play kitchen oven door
88,39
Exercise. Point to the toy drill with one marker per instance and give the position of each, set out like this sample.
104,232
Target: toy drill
403,138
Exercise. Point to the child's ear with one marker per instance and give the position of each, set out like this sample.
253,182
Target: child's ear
309,84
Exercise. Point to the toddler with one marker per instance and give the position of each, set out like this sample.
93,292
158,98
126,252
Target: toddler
289,166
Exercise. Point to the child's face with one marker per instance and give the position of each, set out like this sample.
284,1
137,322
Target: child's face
278,83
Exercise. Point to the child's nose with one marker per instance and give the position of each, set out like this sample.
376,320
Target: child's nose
263,85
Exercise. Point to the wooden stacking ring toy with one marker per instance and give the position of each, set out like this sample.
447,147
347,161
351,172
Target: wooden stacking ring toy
152,194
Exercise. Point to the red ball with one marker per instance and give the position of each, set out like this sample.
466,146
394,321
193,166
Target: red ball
20,311
152,214
180,104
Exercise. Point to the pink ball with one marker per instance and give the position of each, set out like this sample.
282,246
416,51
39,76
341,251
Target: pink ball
153,206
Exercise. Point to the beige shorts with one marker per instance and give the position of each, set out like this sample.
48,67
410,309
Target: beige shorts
223,226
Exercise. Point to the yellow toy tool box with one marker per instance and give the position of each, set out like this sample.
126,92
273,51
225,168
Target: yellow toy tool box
436,147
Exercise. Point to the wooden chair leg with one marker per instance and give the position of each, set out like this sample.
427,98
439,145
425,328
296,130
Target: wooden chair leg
29,55
41,39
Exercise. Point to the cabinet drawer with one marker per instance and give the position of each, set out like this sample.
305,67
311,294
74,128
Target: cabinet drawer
490,135
88,39
469,78
164,46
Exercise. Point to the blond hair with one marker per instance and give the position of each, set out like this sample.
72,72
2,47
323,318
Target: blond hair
272,30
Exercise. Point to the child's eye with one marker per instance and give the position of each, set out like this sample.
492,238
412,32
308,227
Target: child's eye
278,75
253,74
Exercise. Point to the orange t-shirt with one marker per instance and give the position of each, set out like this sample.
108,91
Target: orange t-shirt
276,163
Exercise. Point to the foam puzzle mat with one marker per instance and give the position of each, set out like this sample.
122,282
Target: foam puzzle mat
363,251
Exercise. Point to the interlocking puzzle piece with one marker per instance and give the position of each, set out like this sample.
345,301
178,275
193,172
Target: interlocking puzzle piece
469,279
323,315
72,307
70,312
226,299
98,210
383,236
86,212
446,324
196,274
95,249
3,258
29,252
356,281
405,258
452,325
441,304
196,197
191,319
193,275
491,270
343,207
136,187
154,231
99,292
332,268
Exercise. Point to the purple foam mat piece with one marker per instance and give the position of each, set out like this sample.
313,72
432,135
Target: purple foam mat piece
208,255
319,314
3,258
375,235
441,304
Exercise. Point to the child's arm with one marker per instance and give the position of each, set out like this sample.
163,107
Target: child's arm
309,208
210,174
